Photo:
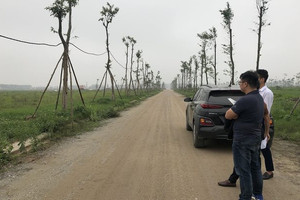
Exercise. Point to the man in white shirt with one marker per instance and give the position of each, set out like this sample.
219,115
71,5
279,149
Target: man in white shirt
268,97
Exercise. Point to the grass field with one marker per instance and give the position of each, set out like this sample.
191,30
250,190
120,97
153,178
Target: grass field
286,126
17,107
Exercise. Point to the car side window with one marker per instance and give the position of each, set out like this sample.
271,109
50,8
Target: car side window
195,98
201,96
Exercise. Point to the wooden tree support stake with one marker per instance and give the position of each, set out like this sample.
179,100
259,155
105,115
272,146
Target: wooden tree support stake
295,106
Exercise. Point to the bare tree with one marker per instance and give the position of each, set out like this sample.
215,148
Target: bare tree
158,80
151,80
143,73
138,56
126,42
262,8
189,63
213,33
228,15
132,42
108,13
60,9
202,67
147,73
196,63
205,39
184,72
182,77
178,81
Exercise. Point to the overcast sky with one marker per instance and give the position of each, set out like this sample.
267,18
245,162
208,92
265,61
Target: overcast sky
165,30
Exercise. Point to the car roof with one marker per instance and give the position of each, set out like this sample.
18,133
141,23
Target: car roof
220,87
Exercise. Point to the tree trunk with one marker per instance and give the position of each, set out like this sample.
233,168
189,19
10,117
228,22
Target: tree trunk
231,57
137,74
215,62
71,97
259,37
130,74
108,64
143,70
183,82
201,71
65,56
65,81
205,65
113,97
126,72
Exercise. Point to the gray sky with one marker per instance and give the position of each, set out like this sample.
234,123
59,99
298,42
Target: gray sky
165,30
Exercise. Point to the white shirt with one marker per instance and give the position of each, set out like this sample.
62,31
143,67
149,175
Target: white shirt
268,96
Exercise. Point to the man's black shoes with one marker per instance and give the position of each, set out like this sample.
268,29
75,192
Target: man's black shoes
226,183
267,176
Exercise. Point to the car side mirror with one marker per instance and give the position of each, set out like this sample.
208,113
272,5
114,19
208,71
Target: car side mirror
188,99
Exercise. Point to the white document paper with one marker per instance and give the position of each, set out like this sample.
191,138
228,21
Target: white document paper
231,100
263,144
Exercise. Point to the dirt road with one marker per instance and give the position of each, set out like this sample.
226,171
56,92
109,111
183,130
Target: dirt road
144,154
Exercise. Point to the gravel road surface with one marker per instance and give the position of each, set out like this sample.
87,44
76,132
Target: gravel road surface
144,154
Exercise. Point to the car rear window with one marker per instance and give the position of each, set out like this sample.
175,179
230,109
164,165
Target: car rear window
224,97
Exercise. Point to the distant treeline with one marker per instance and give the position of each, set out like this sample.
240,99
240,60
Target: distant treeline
15,87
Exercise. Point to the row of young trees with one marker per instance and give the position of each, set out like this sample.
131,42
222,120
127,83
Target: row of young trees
135,83
144,76
62,9
204,65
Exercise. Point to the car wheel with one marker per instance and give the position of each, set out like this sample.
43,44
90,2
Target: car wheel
188,127
198,142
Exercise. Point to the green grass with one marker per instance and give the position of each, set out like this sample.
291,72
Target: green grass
286,126
17,106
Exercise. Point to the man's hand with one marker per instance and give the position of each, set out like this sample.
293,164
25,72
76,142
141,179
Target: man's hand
268,136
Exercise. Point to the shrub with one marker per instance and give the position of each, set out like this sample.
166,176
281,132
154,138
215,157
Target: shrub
5,150
109,113
82,112
104,100
51,122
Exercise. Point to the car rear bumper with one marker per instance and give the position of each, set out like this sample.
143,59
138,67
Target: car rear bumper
214,132
218,132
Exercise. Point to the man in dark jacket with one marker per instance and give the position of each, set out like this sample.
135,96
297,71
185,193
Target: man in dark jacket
248,113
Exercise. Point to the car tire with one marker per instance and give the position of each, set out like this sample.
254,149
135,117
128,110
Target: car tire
198,142
188,127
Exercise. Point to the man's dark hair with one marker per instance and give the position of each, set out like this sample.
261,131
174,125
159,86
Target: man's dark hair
262,73
251,77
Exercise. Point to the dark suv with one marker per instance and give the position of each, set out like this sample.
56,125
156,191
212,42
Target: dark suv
205,112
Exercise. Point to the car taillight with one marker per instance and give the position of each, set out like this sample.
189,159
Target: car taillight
206,122
210,106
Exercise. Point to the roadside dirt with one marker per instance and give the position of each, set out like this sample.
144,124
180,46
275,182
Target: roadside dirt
144,154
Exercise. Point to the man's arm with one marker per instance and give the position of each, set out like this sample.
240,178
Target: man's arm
266,121
230,114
